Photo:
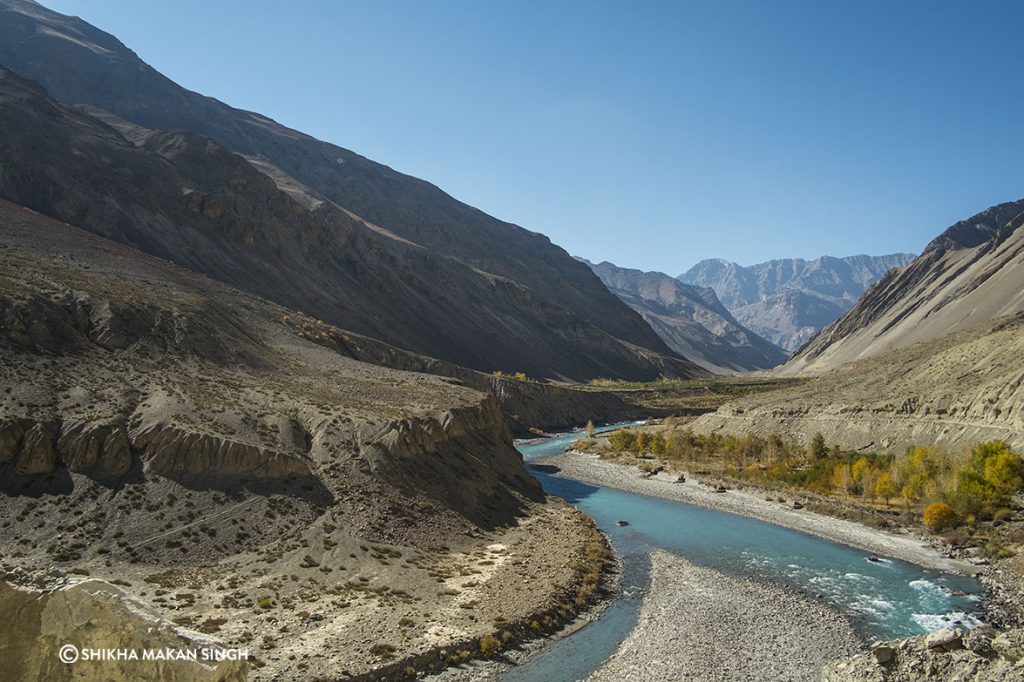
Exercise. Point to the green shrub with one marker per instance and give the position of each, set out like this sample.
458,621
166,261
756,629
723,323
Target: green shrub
1002,514
818,448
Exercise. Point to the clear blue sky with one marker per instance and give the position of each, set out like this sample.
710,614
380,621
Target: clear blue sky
649,134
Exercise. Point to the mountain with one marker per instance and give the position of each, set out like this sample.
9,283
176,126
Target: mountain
691,320
930,354
790,317
308,224
970,275
787,301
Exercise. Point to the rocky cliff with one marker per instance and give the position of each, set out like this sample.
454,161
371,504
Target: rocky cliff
89,386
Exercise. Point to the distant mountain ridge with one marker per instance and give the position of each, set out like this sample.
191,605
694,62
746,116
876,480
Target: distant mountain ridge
691,320
787,301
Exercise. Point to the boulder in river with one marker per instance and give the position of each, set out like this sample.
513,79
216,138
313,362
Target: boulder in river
622,523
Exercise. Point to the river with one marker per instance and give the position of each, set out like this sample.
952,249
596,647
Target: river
883,599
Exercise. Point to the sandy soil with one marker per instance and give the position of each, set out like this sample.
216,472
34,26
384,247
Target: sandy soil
699,624
592,469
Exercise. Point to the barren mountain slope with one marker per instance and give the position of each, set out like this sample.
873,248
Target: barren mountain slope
216,457
182,197
931,353
970,275
80,64
691,320
954,391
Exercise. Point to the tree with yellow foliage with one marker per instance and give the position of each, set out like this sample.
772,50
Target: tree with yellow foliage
939,516
842,478
858,472
918,470
885,487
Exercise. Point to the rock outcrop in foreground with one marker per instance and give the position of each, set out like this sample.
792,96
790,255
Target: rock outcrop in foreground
96,615
979,655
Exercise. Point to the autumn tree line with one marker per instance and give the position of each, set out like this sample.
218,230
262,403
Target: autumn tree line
949,490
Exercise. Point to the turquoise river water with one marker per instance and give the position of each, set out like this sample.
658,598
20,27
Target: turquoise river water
884,599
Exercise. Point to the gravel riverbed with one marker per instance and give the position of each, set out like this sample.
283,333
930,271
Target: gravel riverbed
698,624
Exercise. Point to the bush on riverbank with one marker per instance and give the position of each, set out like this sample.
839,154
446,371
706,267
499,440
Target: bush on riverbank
939,516
683,445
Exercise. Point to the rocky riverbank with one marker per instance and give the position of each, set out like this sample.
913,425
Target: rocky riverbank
980,655
696,623
592,469
493,668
